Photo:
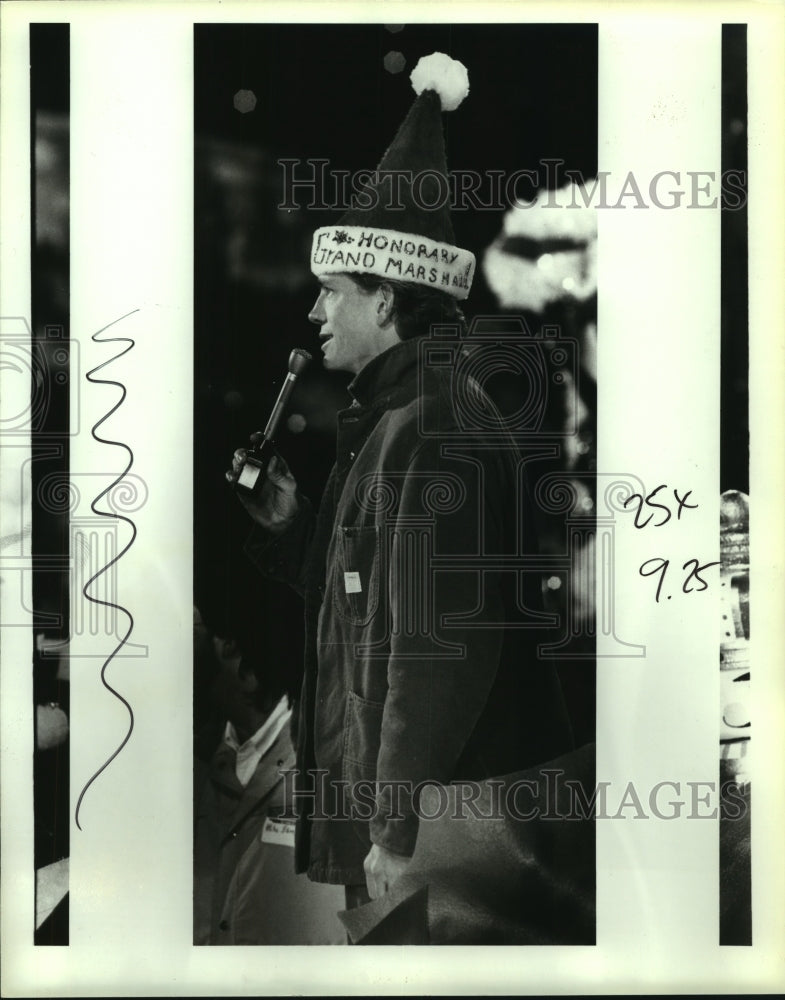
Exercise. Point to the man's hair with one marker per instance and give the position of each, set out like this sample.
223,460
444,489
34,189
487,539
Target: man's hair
415,308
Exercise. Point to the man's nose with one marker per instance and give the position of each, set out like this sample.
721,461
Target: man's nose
316,315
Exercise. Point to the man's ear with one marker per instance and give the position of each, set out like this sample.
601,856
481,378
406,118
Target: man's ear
385,305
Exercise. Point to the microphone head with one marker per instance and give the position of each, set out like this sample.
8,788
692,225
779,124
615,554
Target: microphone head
298,359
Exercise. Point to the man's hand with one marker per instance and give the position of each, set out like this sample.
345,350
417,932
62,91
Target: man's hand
275,505
382,869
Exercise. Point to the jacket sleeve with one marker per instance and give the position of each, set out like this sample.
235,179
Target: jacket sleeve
446,624
284,557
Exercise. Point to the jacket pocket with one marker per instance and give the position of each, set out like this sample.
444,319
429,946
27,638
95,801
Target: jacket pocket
356,574
362,736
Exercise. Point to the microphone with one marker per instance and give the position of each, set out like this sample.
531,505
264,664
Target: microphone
258,458
298,359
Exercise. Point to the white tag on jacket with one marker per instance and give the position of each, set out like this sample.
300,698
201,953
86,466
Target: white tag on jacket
352,583
278,831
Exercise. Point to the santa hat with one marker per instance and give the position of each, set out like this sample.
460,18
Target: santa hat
399,226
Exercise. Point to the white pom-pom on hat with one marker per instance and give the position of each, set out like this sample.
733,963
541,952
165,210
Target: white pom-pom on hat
448,77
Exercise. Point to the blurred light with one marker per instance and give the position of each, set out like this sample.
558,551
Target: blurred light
297,423
233,399
545,262
244,100
394,62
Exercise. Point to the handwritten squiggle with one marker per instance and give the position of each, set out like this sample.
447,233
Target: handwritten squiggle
115,516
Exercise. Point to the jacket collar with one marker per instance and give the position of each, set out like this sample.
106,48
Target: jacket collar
386,372
280,757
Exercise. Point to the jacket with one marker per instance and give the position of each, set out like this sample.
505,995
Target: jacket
245,887
420,661
525,877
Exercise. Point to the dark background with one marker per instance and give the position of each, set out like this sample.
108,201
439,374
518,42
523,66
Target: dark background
734,416
49,438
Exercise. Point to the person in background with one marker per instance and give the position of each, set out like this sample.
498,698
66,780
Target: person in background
245,887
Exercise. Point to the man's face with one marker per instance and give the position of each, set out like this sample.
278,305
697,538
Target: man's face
353,328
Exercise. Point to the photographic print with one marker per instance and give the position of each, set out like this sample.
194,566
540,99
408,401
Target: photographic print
412,604
390,551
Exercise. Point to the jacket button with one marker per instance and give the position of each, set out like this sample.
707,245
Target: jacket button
234,834
352,456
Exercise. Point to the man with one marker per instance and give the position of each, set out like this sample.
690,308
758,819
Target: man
418,666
